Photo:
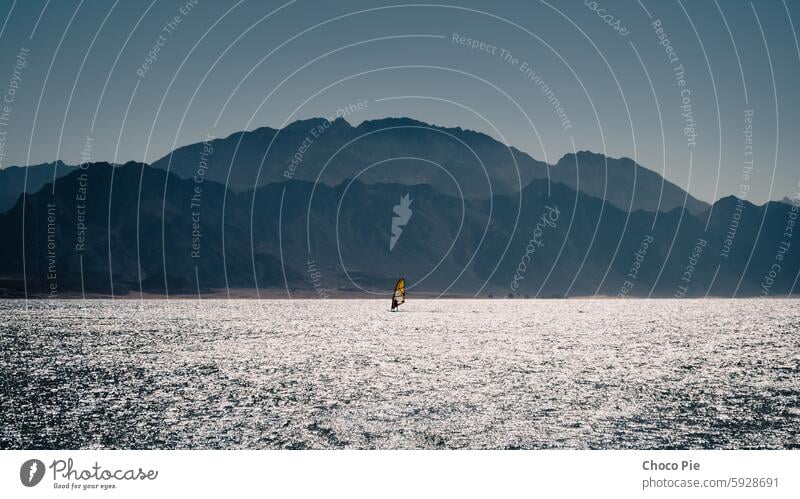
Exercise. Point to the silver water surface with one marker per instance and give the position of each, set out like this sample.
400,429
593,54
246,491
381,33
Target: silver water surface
439,374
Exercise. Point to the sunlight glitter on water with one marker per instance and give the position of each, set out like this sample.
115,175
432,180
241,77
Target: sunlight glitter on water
439,374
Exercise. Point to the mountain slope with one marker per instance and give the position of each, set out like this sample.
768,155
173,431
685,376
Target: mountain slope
13,182
623,182
306,236
458,162
455,161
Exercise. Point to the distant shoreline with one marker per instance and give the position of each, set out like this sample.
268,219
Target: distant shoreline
305,294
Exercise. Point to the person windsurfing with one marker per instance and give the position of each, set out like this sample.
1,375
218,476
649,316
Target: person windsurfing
399,295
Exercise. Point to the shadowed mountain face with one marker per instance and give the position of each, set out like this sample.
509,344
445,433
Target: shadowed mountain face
13,182
546,240
623,183
454,161
397,150
457,162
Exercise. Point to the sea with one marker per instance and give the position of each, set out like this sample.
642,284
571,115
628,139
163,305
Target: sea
438,374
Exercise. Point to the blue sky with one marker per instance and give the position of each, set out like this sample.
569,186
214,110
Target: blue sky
228,66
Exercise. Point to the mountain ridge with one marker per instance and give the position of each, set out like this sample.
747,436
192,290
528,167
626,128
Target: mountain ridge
450,245
441,159
478,163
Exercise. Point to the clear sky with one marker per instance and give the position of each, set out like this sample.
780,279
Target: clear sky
228,66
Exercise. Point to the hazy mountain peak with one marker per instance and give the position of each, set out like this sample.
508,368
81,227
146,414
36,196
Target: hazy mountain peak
307,124
476,160
391,122
471,156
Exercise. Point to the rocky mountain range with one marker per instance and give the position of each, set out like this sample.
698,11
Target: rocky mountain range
316,218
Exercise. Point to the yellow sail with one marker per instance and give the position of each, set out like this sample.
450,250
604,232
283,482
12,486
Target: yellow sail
399,295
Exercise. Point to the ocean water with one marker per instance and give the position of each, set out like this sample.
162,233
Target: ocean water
498,374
